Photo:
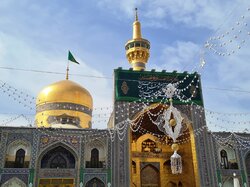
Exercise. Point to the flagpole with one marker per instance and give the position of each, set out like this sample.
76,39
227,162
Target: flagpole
72,59
67,71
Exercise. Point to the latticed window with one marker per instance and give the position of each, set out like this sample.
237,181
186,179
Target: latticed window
58,162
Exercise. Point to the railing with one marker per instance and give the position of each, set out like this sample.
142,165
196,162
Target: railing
57,172
15,170
151,154
230,172
231,165
13,164
100,164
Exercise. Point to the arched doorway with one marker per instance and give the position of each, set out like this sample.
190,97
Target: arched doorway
95,182
150,176
247,161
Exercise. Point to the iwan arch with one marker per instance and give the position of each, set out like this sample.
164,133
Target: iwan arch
64,151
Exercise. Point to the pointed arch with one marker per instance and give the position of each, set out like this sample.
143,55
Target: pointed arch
97,154
95,182
70,156
14,182
18,154
224,159
143,138
98,145
148,129
171,184
247,165
94,160
227,156
150,176
228,182
19,160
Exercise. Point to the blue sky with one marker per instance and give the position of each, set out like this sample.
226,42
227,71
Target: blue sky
38,34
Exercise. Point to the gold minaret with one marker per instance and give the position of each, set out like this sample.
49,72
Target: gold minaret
137,49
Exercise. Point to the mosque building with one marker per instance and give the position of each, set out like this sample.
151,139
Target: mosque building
154,137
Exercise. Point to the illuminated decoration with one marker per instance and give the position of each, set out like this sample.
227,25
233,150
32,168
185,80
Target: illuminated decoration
19,96
151,95
170,130
170,122
230,41
172,127
176,163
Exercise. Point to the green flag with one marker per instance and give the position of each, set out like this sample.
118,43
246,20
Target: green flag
71,58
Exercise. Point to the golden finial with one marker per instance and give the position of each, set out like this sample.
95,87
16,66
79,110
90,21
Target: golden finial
136,27
136,16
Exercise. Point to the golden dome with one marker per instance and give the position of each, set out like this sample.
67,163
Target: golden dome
64,104
65,91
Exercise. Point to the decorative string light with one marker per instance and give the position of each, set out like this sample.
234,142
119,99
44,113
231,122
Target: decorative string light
234,38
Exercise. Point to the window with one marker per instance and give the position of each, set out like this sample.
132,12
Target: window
224,159
58,162
131,45
94,158
148,146
137,44
134,167
19,161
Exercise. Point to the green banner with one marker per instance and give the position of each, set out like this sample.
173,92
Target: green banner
127,85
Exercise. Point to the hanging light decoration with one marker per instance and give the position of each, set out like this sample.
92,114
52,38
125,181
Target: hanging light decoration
176,163
172,127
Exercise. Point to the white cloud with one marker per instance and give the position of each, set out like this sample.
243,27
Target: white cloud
181,54
120,8
20,54
193,13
